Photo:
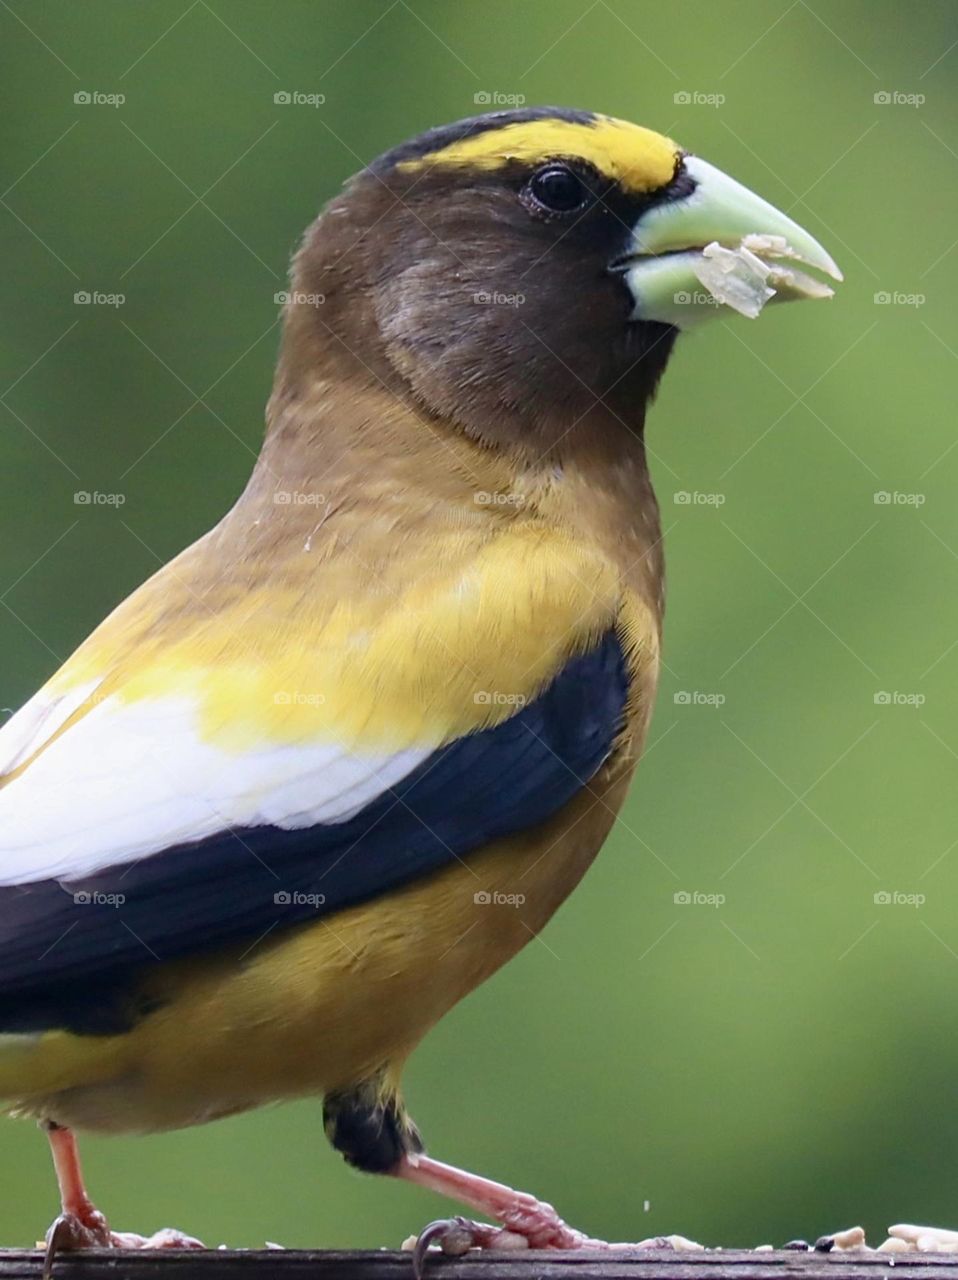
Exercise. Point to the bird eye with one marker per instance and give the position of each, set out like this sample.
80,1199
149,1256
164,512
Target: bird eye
557,189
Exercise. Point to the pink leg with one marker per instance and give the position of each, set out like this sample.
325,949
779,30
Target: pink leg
516,1211
74,1201
525,1221
80,1224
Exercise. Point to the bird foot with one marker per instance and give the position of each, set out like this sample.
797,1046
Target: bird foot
70,1233
523,1221
532,1225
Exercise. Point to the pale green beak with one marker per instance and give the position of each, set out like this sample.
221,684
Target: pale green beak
721,246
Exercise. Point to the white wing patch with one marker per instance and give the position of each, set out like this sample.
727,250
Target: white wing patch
129,780
36,722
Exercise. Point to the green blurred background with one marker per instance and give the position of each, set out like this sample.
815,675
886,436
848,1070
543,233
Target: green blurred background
782,1063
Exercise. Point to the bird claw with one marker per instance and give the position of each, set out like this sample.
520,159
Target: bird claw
68,1234
456,1236
521,1221
451,1235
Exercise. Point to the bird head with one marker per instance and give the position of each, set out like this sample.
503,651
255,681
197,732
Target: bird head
511,272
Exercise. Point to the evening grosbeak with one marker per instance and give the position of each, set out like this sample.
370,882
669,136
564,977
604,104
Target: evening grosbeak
251,831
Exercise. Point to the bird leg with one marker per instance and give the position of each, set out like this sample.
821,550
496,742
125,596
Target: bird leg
525,1222
517,1211
80,1225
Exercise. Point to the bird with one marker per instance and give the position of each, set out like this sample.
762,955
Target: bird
339,760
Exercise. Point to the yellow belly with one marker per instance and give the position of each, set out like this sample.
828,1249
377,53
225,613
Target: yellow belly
323,1006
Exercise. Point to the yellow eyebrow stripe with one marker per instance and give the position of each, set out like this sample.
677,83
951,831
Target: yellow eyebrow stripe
638,159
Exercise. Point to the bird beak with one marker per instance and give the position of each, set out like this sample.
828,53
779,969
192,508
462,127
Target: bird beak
720,246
